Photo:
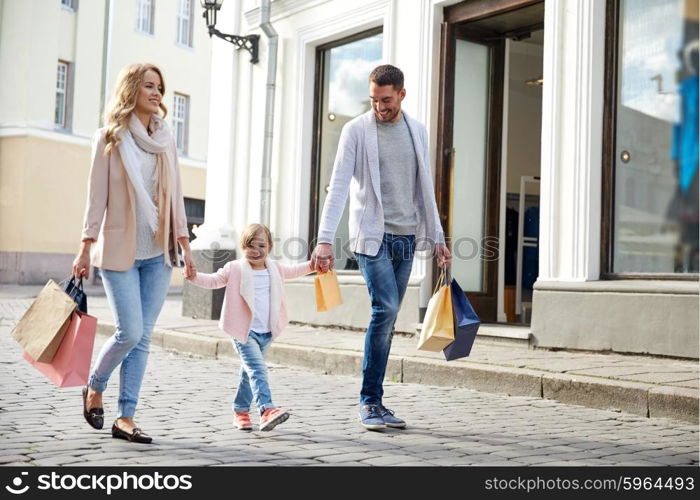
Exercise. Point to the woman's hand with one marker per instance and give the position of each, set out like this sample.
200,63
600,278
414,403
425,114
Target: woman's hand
190,270
81,264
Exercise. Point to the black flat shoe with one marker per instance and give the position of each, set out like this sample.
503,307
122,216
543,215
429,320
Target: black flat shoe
136,435
93,416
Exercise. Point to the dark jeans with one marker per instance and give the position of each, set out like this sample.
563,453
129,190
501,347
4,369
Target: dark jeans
387,276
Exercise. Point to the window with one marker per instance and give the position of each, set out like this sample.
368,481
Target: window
343,67
651,163
184,23
181,119
194,210
62,76
69,4
145,12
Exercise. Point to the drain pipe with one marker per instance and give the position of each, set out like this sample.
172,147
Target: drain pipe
266,180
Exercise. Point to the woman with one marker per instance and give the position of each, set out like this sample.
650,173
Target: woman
135,215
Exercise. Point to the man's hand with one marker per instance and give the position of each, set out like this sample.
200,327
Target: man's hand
443,255
322,257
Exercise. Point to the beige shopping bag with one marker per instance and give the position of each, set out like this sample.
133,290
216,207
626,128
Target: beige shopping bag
438,329
327,291
44,324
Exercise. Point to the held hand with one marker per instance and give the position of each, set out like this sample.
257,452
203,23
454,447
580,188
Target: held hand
322,258
190,270
443,255
81,266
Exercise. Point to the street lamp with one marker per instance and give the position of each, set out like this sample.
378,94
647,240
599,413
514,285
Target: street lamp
249,43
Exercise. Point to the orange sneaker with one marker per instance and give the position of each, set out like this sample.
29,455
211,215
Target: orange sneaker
272,417
242,420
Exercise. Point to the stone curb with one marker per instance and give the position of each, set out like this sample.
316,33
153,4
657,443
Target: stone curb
647,400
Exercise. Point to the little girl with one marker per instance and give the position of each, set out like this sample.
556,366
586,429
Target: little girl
254,313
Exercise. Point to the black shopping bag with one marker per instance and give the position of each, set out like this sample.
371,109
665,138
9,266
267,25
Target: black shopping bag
75,292
466,324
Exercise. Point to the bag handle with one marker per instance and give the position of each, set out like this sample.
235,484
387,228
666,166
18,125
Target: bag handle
71,283
442,279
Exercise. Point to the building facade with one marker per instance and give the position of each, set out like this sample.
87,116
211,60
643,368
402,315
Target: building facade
61,59
564,145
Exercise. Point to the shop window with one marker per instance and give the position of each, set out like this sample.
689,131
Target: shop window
650,209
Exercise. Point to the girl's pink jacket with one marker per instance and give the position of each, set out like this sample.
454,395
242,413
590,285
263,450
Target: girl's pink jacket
239,298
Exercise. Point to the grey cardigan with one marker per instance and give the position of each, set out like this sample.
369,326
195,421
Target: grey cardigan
356,170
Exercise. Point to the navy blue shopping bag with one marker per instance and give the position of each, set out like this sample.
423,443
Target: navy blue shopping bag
466,324
75,291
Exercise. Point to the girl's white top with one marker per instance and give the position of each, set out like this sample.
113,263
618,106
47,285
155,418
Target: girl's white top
261,309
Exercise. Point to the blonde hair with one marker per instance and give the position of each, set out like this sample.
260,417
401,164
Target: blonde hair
123,100
250,232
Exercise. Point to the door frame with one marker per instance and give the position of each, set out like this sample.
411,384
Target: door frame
455,25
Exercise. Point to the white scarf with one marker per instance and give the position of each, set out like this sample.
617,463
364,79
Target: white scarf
137,137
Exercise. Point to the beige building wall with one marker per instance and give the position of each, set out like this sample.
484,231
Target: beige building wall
44,169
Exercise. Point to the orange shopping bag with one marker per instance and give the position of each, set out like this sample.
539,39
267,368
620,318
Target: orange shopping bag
438,329
327,291
71,364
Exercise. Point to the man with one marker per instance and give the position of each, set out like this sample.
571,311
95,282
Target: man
393,212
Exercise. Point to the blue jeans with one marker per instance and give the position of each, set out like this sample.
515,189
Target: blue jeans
386,275
253,373
136,297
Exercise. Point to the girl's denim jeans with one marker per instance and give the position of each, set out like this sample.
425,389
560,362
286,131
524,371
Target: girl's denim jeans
253,374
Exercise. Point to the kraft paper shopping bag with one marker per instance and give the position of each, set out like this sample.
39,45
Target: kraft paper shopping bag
438,325
327,291
43,325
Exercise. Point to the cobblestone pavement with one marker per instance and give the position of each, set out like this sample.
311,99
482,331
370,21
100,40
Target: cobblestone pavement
185,406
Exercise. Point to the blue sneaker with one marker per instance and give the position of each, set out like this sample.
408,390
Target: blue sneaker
371,417
389,419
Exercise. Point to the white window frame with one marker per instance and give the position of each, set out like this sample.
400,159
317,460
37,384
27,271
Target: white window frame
60,117
145,14
184,22
181,121
69,4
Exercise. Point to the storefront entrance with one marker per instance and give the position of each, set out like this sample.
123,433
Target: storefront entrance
489,151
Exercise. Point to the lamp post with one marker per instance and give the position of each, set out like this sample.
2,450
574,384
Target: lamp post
249,43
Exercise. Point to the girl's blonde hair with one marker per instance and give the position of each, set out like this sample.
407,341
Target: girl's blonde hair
123,101
250,232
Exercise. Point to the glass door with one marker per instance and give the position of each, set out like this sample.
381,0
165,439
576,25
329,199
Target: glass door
468,162
343,69
469,167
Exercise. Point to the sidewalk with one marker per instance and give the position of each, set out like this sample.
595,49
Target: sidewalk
641,385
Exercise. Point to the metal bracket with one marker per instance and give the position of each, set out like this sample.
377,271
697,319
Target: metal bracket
249,43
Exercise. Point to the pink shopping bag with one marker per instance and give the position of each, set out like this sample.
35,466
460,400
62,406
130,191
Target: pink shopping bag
71,364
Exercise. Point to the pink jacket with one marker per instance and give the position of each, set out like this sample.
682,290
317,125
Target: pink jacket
110,214
239,298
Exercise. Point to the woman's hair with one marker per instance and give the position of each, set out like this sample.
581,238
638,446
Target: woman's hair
124,98
253,230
